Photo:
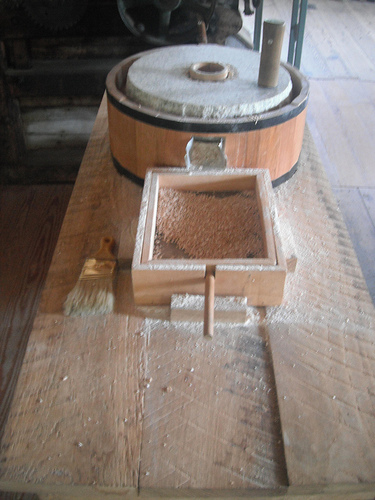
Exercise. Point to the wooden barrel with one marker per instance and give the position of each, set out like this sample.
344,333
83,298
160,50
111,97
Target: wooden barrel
142,137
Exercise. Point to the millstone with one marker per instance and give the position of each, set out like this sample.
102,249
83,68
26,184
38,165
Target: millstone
162,81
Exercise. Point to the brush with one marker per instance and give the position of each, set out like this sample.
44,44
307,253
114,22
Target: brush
93,292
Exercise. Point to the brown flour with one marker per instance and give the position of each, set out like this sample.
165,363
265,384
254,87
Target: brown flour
208,225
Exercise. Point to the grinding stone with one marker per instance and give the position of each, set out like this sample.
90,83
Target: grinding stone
161,81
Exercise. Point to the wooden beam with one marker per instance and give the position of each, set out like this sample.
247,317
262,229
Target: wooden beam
12,143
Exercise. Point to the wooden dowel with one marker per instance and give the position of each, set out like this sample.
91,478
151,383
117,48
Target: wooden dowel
273,34
202,32
209,299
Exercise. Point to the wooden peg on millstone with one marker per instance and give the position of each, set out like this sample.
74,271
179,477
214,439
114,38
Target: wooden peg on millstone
273,34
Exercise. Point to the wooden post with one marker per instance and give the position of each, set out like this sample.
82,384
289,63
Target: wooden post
273,34
209,299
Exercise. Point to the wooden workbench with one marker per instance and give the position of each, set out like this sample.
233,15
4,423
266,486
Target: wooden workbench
130,404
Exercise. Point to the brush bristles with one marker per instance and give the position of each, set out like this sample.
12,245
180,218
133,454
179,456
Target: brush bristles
90,297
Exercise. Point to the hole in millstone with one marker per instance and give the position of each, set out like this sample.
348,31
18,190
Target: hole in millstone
209,71
211,68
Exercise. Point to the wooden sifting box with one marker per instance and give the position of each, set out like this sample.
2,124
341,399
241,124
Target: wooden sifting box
260,279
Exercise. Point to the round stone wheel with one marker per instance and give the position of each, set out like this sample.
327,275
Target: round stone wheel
204,81
151,127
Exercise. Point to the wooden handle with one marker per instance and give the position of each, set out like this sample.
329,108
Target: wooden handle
209,299
202,31
105,251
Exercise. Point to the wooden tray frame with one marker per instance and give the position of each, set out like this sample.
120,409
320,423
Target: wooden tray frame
260,280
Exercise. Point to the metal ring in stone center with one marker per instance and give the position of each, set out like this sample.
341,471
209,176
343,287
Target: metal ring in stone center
209,71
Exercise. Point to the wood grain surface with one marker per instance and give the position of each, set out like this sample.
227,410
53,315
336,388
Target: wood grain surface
210,417
358,208
30,221
109,407
322,344
276,148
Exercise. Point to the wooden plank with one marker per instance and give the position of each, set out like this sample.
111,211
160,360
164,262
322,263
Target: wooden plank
357,107
353,205
368,197
12,150
18,496
348,46
324,390
322,142
30,220
95,435
49,128
332,492
354,127
335,135
45,166
358,19
18,53
93,441
150,222
322,343
264,193
156,286
191,307
44,101
338,47
87,47
202,429
61,78
197,181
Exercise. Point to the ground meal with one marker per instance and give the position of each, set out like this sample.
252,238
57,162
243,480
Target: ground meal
208,225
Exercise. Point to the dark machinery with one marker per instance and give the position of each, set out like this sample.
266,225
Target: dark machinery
162,22
56,15
156,22
168,22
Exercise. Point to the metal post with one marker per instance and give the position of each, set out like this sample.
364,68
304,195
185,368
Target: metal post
258,25
301,32
297,31
293,30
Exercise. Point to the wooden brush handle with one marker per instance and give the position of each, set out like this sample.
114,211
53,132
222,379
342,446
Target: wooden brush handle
105,251
209,299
